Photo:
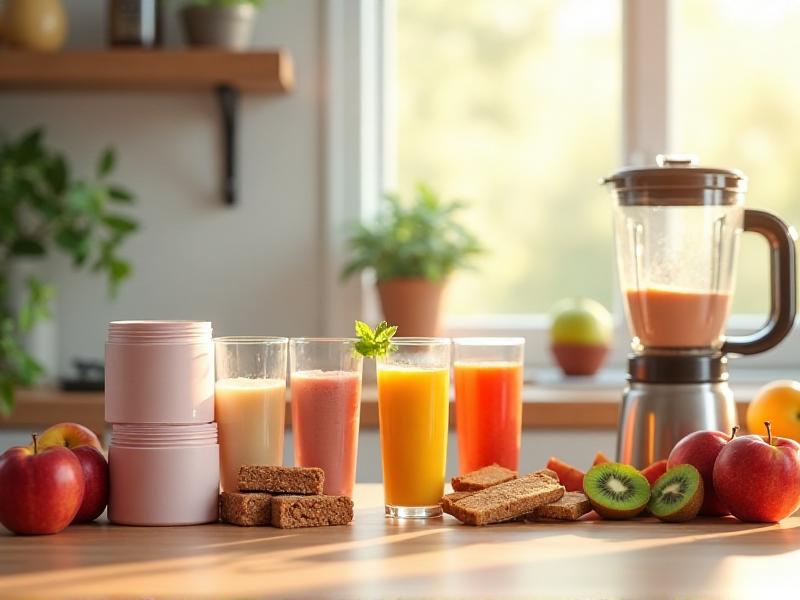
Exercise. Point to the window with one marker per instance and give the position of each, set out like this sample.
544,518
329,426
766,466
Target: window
514,107
736,96
520,107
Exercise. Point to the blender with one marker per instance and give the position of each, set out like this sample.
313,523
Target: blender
677,229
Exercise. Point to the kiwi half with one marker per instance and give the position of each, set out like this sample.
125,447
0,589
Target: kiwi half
677,495
616,491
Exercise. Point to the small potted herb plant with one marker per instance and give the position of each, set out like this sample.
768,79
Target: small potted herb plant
44,209
220,23
413,249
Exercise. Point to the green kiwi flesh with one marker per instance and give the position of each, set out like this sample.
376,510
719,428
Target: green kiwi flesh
616,491
677,495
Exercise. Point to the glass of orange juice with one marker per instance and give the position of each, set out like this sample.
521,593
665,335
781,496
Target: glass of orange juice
488,376
413,406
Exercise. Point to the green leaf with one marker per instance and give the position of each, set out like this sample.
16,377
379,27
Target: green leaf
6,395
29,148
375,343
121,224
27,247
57,175
120,195
106,163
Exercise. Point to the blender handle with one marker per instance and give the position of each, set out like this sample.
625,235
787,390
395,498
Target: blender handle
781,239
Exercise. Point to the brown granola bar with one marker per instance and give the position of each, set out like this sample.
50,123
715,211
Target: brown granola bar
246,510
289,512
448,500
281,480
570,507
505,501
483,478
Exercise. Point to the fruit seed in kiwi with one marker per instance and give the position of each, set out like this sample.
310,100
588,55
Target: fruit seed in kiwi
616,491
677,495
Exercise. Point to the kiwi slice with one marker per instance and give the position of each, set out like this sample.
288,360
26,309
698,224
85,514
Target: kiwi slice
616,491
677,495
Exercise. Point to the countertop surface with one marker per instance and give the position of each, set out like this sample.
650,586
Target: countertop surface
379,558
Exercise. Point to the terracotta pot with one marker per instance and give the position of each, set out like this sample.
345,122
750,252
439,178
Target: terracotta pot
228,27
39,25
414,305
579,359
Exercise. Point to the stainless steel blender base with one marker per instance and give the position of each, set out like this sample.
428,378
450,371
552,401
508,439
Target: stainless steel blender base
655,416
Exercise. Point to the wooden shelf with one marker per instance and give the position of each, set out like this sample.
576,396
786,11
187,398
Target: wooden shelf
268,71
227,74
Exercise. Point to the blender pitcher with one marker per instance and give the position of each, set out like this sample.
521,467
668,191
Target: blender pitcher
677,230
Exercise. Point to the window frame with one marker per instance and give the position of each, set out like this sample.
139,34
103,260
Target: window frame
361,163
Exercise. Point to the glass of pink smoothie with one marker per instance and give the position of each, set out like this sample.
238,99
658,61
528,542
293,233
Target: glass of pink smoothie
326,407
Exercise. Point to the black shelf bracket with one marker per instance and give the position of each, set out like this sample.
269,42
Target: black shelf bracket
228,98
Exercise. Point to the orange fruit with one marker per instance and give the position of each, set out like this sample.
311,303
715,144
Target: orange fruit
779,403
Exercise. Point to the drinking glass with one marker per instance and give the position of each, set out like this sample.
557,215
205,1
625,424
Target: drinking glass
488,378
413,403
249,403
326,406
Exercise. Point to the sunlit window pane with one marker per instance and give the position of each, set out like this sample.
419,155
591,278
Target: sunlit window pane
515,106
736,80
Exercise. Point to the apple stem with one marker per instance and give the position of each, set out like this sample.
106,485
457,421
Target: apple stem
733,432
768,425
35,443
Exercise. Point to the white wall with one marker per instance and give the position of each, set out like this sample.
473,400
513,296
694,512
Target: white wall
251,269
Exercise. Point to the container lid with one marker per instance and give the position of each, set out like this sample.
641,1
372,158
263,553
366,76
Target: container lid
677,180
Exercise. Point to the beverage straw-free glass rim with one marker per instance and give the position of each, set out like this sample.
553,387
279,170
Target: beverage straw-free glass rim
421,341
265,340
323,340
489,341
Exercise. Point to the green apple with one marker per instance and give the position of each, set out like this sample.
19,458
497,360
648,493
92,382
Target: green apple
581,321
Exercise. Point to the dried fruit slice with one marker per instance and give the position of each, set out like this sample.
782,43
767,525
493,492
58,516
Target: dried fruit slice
600,458
654,471
570,477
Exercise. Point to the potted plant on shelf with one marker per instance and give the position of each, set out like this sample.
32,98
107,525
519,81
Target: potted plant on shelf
44,208
220,23
413,249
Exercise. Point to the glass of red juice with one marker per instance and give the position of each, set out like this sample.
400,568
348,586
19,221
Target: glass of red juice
488,375
326,407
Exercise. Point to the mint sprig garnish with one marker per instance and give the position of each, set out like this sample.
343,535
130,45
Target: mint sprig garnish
376,342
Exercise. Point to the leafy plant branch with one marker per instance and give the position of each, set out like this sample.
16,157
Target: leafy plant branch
44,209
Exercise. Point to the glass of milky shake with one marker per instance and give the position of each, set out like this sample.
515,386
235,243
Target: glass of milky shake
249,403
326,403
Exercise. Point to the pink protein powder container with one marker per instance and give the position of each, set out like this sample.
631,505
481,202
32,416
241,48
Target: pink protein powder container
159,398
159,372
165,476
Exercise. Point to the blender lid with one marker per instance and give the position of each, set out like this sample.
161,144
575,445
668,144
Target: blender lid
678,180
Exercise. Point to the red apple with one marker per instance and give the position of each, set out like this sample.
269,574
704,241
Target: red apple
758,478
654,471
95,477
570,477
700,449
41,490
69,435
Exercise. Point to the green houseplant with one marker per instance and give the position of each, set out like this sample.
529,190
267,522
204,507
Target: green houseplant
220,23
45,209
413,248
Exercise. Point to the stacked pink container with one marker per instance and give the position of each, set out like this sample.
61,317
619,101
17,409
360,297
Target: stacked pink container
164,452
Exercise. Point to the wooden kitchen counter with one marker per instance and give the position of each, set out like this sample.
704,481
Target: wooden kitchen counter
379,558
543,407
